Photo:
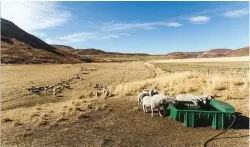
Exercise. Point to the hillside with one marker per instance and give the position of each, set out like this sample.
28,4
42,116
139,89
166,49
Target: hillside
240,52
10,30
215,53
62,46
14,51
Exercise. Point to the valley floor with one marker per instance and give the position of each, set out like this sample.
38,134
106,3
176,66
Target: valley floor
76,118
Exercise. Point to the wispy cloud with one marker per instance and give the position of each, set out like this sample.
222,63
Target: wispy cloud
110,36
236,13
78,37
145,26
34,16
199,19
85,36
124,34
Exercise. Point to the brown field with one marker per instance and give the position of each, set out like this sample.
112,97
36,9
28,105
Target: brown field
76,118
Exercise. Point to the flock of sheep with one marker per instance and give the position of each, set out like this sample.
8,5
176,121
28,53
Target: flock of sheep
55,89
153,100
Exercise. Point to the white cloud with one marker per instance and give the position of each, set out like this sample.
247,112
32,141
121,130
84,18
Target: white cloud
173,24
34,16
145,26
236,13
199,19
124,34
83,36
78,37
110,36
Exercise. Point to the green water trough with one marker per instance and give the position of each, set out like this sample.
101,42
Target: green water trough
218,114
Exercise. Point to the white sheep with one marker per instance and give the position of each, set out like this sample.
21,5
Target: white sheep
190,98
146,103
158,101
141,96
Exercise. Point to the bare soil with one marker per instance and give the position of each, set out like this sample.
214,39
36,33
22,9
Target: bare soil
122,126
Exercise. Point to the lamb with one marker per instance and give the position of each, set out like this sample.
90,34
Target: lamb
146,103
158,101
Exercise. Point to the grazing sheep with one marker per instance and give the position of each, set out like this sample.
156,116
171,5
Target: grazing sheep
98,94
146,103
105,92
57,90
197,100
153,92
206,98
158,101
141,96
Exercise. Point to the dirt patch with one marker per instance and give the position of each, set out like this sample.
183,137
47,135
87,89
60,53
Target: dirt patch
121,127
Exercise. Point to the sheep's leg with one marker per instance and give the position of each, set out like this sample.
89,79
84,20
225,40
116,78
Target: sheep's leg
158,109
152,112
143,108
165,110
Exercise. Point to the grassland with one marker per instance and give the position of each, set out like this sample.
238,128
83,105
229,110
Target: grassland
30,119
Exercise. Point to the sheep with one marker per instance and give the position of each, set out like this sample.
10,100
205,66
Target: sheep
153,92
206,98
57,90
105,92
140,97
98,94
197,100
146,103
158,101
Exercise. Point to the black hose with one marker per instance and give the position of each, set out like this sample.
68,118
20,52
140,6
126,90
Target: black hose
205,144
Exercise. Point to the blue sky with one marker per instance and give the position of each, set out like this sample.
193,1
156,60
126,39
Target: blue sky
148,27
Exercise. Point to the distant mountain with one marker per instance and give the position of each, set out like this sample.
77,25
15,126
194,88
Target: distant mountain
93,51
240,52
215,53
183,55
210,54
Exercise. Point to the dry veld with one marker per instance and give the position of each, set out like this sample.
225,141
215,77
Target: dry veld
76,117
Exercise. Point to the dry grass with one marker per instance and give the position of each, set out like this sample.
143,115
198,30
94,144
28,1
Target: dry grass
189,82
